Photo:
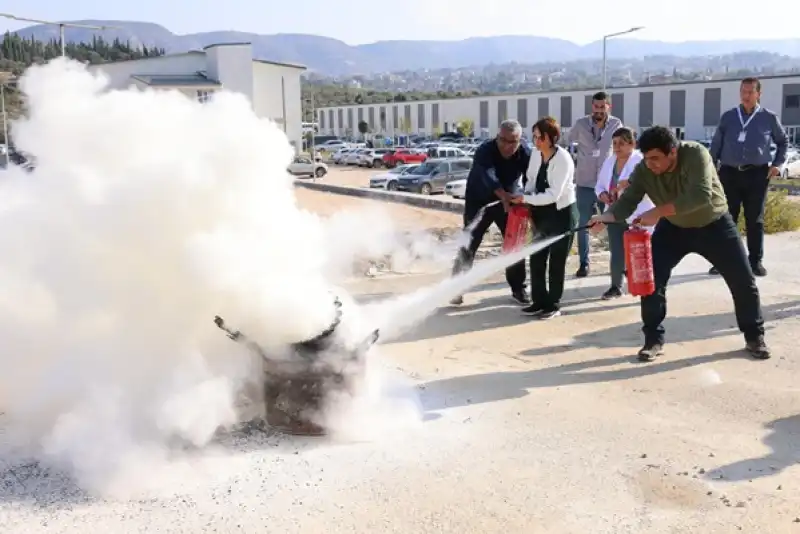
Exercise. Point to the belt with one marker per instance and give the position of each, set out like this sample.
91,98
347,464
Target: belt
742,168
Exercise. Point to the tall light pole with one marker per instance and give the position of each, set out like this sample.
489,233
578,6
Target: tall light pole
609,36
61,26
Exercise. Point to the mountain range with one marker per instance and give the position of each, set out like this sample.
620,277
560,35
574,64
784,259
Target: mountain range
333,57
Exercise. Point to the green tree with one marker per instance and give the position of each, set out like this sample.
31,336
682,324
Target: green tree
466,127
18,53
363,128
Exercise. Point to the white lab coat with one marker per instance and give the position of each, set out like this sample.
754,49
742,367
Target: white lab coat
604,182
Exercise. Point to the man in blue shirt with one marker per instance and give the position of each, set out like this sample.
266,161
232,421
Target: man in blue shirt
742,149
497,167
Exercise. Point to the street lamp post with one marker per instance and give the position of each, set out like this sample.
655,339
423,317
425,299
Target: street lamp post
606,38
61,26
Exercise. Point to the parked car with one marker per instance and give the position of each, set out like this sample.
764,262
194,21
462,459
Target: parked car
354,156
457,188
372,157
339,155
445,152
403,156
434,175
388,179
791,169
303,166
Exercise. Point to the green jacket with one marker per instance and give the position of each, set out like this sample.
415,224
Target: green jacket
693,187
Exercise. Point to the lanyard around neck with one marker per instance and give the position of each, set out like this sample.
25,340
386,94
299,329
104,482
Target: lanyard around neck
750,118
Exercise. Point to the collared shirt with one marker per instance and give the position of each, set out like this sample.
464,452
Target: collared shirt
594,146
491,171
734,145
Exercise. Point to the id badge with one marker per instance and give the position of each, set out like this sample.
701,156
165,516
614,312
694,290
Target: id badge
742,136
596,153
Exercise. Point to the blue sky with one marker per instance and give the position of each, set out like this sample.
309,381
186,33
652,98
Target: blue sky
362,21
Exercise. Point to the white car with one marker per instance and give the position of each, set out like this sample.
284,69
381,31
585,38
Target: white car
339,156
791,169
354,156
388,180
456,188
302,166
332,145
372,157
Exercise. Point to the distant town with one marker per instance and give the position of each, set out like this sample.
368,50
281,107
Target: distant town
423,84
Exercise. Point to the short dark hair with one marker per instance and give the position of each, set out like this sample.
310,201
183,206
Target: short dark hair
755,81
601,95
624,133
549,127
658,138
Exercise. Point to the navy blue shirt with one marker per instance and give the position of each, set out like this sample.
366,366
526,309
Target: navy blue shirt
763,130
491,171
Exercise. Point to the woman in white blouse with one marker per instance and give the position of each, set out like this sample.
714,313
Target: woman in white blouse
550,191
611,181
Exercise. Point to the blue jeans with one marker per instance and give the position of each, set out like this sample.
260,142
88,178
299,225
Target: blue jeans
588,205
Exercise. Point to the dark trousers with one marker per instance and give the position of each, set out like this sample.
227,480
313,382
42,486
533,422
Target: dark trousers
616,246
746,191
548,266
720,244
515,275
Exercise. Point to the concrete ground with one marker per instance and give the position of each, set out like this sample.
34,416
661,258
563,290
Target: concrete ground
529,427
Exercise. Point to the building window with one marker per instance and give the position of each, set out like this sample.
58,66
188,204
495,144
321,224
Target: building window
792,101
204,96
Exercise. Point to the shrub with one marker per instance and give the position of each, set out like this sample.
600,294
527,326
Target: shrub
782,214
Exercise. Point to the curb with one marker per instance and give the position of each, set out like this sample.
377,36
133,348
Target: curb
409,199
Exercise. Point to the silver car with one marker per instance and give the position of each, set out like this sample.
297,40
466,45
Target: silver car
388,180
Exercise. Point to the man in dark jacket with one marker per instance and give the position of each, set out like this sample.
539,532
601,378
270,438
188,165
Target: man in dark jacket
497,167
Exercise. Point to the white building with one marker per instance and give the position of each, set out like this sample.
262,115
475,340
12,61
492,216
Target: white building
273,88
692,109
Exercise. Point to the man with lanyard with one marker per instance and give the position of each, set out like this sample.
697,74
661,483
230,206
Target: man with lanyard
742,149
493,181
592,134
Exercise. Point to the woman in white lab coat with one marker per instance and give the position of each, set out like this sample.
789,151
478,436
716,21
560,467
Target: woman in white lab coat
611,181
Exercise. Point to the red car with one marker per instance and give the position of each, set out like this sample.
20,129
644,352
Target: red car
403,156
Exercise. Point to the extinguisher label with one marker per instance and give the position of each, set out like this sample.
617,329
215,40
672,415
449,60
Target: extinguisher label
641,264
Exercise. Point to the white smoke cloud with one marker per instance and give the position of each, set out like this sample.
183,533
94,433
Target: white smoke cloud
148,214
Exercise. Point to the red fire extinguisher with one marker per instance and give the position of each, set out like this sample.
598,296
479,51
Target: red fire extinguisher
518,228
639,262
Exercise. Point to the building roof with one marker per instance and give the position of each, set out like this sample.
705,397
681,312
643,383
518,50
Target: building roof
196,52
266,61
176,80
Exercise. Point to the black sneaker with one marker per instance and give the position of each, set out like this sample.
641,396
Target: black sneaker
650,352
549,313
758,269
457,301
582,272
613,292
758,349
534,310
713,270
520,296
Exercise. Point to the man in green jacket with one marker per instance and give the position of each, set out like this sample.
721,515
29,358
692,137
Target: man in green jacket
691,216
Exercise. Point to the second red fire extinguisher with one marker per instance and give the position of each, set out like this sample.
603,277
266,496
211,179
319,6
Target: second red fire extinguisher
639,262
518,228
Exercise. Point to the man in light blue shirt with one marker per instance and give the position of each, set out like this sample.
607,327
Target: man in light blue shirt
592,134
743,149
